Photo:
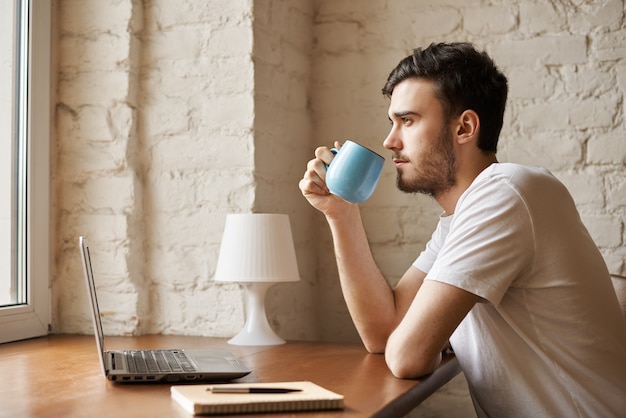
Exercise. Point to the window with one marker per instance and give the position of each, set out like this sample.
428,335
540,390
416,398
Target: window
24,168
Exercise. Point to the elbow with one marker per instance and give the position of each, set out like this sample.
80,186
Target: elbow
409,362
408,369
374,340
374,347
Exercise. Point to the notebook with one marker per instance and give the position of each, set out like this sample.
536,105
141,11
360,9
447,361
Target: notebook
170,365
199,400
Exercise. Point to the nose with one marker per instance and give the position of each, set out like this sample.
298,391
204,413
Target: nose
393,141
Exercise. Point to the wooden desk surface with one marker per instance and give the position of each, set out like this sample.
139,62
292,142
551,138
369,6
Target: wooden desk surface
59,376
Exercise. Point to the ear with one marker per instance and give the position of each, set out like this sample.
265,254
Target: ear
467,128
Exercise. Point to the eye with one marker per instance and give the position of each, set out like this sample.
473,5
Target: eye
406,120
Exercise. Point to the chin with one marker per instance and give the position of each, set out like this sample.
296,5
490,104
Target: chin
413,187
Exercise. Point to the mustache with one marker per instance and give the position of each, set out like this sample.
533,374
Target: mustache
398,156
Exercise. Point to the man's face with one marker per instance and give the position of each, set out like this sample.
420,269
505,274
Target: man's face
421,141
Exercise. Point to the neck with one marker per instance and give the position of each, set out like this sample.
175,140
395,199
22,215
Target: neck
465,175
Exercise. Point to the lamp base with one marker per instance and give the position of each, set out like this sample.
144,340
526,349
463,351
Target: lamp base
257,330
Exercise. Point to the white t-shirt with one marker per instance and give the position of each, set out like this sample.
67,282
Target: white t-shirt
549,340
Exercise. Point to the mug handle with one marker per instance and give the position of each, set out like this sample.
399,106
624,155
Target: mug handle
334,151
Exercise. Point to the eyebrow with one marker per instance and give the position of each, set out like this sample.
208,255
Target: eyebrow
402,114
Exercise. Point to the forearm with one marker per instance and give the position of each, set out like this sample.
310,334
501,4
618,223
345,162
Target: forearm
371,302
368,296
414,348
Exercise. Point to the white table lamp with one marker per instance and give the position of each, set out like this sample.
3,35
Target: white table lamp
257,250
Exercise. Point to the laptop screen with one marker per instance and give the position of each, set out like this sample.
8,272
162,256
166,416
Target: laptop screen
95,310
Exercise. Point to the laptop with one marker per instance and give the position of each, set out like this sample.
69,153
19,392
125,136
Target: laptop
159,365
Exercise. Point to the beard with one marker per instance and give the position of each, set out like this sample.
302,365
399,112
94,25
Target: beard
435,172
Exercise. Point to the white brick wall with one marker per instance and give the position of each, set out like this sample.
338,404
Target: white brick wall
166,118
171,114
565,65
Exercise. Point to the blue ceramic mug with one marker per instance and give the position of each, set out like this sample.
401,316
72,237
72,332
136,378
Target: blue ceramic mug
354,172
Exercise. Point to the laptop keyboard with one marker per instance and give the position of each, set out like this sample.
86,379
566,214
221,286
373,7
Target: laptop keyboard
158,361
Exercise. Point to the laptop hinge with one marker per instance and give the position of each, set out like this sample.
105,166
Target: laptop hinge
115,361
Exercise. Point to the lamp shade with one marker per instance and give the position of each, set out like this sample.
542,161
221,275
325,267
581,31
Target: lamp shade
257,248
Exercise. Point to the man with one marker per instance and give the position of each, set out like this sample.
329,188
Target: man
510,276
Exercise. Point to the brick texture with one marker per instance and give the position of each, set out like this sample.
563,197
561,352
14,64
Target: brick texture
170,114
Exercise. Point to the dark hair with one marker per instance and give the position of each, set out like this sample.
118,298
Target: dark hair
464,79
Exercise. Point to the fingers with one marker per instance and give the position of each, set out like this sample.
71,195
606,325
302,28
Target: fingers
314,178
324,154
309,187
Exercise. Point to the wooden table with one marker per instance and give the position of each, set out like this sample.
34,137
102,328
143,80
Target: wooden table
59,376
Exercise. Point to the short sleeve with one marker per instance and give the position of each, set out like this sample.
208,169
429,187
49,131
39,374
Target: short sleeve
490,242
427,257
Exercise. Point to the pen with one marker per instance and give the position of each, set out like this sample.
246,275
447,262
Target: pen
217,389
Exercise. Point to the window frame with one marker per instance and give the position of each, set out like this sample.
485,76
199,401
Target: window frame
33,318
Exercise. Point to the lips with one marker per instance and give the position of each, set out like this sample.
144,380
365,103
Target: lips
399,161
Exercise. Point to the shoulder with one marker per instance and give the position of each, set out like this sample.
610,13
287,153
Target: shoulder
521,182
515,174
503,194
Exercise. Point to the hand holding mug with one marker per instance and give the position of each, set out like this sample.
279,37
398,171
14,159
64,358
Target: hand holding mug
352,174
